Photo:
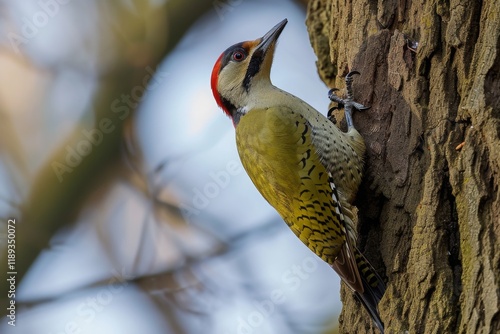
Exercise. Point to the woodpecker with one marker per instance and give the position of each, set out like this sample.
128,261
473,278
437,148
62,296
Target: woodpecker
299,160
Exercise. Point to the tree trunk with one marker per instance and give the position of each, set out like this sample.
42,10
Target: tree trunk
429,205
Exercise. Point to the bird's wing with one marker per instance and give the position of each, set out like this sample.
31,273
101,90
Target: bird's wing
276,149
341,153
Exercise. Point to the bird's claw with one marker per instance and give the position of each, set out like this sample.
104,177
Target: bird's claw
330,114
348,103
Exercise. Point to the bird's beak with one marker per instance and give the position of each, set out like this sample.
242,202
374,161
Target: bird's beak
271,37
262,56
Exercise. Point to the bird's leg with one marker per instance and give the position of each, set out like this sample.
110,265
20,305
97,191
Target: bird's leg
348,102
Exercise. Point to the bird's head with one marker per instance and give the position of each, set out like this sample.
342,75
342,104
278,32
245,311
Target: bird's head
242,70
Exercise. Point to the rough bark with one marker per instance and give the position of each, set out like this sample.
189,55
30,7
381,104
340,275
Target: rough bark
429,205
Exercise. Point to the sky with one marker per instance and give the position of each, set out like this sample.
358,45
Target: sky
180,127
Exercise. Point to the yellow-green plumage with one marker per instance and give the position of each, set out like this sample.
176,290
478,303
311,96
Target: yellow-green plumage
276,150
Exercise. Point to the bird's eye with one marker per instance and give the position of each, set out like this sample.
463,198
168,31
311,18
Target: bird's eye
238,56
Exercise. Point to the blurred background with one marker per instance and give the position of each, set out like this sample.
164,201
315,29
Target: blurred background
132,211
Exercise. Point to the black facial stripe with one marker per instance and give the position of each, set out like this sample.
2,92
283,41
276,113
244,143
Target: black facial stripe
253,67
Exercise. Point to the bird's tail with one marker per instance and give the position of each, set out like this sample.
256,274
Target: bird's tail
362,279
373,288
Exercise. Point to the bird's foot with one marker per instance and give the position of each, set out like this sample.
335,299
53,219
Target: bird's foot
348,103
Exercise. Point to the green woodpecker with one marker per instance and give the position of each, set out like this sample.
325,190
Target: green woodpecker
303,165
